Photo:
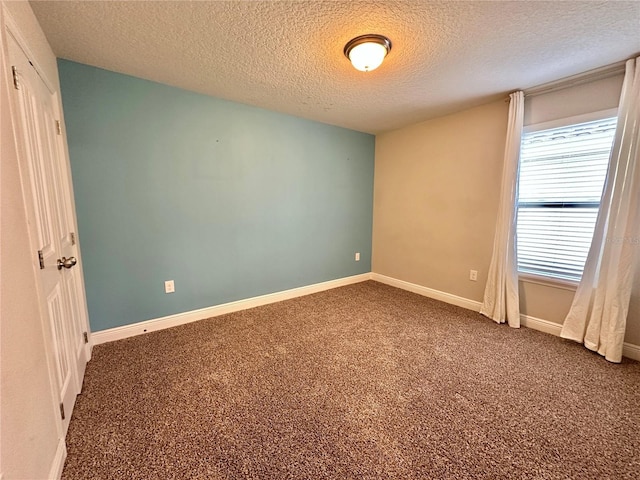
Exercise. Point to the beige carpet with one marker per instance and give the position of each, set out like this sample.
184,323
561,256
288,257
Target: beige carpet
361,382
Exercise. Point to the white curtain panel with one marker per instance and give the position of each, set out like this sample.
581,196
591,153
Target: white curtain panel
501,300
598,315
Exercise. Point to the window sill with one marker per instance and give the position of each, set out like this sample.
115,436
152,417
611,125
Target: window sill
548,281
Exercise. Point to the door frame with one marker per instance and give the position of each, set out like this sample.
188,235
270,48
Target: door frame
10,28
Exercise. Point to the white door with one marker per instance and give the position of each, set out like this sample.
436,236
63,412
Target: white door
60,183
46,186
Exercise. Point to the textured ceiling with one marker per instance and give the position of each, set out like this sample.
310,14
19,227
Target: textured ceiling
287,56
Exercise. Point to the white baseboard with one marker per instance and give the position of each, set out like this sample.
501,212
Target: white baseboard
155,324
541,325
140,328
428,292
55,472
629,350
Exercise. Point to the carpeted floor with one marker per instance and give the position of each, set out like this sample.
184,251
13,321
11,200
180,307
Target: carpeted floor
361,382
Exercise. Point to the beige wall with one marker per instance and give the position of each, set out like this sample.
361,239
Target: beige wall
436,195
436,192
27,411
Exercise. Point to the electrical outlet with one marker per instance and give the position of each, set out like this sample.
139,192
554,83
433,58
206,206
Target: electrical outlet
473,275
357,256
169,286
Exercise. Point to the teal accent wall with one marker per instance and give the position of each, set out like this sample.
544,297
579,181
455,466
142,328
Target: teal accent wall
229,201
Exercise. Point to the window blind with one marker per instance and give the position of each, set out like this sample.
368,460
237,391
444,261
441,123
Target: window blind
562,173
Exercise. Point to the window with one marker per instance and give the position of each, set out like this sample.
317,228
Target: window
562,173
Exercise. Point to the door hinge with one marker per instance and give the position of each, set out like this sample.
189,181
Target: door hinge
41,259
86,337
16,82
58,127
73,238
62,410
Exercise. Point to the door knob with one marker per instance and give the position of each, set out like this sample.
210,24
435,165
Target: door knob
66,262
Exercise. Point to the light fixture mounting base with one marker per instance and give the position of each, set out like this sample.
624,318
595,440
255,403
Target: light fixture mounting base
370,37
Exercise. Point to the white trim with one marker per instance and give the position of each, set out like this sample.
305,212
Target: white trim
155,324
428,292
539,324
629,350
96,338
548,281
55,472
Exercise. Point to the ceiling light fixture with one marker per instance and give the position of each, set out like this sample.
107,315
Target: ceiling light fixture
367,52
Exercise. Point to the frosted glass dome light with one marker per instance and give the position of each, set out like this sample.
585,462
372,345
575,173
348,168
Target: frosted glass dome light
367,52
